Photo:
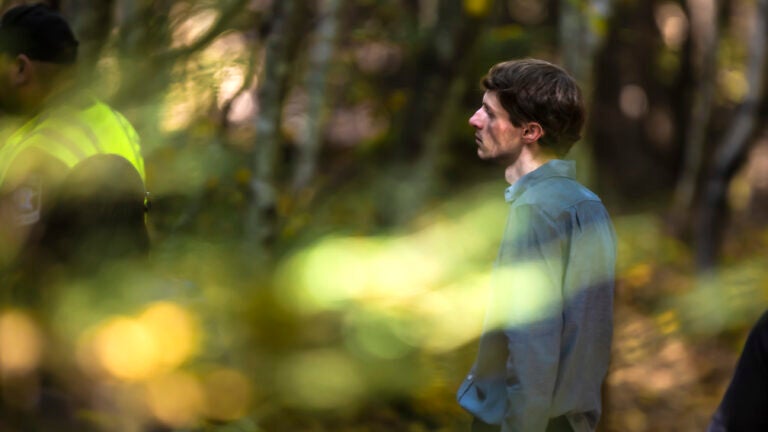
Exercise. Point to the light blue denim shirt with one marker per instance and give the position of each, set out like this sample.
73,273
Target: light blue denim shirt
546,345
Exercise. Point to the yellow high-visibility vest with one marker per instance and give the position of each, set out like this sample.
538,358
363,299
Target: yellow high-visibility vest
72,134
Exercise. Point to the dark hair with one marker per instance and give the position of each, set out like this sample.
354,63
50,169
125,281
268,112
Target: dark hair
538,91
39,32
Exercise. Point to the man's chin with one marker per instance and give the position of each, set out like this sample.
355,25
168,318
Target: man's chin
485,155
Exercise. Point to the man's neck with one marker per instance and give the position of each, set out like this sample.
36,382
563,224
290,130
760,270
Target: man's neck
62,94
525,163
56,97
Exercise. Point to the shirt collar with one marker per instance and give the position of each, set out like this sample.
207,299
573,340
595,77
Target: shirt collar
553,168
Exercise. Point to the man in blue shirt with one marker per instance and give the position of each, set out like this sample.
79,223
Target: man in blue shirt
545,349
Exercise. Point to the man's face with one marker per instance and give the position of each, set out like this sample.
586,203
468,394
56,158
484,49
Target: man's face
496,137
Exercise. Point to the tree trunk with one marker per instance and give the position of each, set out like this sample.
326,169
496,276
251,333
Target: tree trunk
623,144
144,31
92,22
578,36
579,40
704,38
439,74
732,150
321,56
454,37
281,46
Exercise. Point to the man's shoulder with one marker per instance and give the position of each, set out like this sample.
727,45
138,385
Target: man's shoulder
556,194
78,106
84,118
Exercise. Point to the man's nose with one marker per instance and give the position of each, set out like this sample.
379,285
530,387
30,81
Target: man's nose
474,121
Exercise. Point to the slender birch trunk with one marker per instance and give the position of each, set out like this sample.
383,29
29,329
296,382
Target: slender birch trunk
321,56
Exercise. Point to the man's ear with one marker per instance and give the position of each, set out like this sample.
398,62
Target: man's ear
22,70
532,132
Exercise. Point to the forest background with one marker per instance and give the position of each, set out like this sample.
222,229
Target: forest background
323,231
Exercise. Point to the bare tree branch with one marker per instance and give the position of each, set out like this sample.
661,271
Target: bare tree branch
228,14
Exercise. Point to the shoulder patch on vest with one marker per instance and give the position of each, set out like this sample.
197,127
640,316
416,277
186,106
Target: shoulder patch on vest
27,200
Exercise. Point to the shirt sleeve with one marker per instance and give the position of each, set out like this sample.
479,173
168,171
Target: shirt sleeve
528,304
744,402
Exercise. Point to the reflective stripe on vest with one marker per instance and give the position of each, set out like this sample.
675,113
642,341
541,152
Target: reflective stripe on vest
72,135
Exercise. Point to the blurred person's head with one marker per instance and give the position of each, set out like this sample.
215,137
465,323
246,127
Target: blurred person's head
528,105
38,51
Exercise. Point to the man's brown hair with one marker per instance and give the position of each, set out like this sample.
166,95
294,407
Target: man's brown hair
533,90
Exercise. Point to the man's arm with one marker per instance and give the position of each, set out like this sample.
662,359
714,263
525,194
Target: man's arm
27,193
744,402
529,303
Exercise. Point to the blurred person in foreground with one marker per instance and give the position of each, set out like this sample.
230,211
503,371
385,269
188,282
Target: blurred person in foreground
744,404
71,201
545,347
72,181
